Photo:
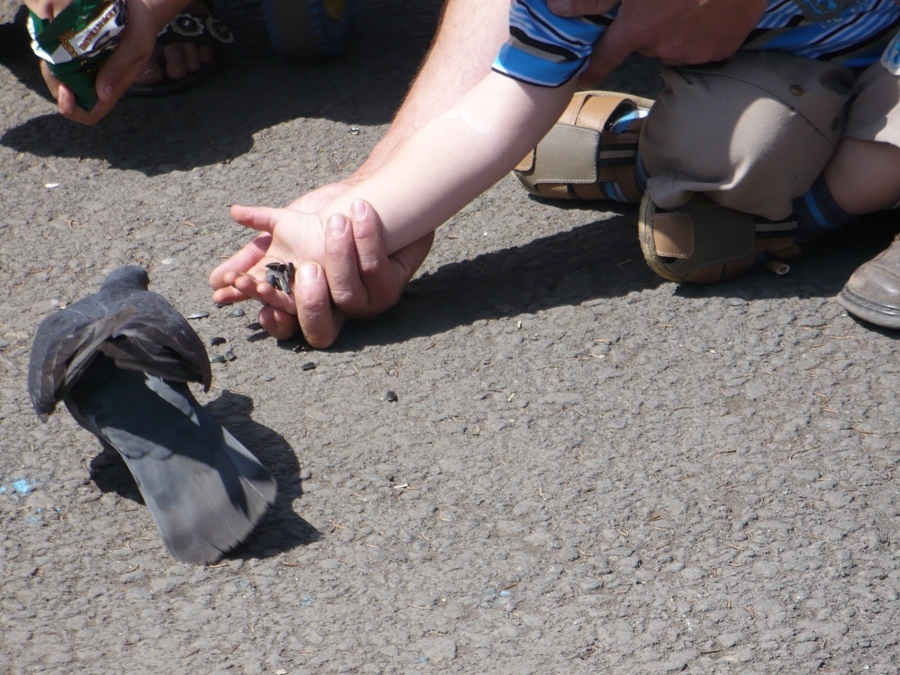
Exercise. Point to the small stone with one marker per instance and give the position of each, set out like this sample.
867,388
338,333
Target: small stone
256,325
218,340
229,356
218,358
390,396
309,365
198,315
235,313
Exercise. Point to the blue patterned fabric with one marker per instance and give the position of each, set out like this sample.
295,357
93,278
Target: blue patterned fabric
547,50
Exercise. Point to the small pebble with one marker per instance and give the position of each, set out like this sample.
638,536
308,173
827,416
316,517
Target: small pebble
390,396
235,313
198,315
229,355
309,365
218,358
218,340
256,325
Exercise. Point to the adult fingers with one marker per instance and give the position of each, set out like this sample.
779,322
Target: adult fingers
581,7
319,320
342,270
383,276
611,49
228,295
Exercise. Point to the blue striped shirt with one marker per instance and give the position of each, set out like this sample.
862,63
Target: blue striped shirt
547,50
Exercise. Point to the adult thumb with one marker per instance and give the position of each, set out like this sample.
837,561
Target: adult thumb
610,50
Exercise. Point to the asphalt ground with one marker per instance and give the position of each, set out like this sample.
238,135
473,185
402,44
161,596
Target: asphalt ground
582,468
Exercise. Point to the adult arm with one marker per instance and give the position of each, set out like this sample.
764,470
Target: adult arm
363,280
443,166
469,36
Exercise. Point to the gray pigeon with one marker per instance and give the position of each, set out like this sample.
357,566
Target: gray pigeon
120,360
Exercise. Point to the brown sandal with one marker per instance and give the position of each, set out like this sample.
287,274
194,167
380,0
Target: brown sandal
703,242
580,158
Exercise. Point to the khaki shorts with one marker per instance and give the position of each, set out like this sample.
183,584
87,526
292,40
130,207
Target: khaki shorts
755,131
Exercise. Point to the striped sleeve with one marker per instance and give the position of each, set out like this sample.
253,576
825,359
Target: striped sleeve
544,49
852,33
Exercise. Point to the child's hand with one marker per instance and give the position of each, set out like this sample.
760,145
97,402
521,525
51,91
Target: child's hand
288,236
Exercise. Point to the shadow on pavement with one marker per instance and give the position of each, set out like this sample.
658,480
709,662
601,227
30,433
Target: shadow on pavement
253,91
599,260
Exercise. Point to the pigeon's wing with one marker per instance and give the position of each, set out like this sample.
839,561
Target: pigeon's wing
205,491
64,346
159,341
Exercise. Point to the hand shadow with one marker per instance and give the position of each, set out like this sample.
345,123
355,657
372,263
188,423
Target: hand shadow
281,529
594,261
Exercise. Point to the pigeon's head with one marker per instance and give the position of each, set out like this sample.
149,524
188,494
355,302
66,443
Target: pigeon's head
128,277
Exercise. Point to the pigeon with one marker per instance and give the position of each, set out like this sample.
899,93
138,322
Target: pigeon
120,360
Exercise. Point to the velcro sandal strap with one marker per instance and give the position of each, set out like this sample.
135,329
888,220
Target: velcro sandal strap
580,154
703,242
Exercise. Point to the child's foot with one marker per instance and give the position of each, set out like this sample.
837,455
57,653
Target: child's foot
185,53
703,242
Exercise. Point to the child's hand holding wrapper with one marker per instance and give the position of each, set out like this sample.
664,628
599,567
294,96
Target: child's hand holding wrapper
77,41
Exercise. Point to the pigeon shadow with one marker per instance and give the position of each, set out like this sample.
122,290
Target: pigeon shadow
281,529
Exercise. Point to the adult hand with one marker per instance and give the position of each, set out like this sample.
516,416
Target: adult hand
359,279
678,32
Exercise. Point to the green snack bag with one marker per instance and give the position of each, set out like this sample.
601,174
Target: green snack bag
77,41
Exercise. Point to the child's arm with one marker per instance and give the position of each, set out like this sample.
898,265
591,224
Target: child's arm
457,156
438,170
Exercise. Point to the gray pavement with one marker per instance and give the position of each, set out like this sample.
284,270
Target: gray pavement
586,470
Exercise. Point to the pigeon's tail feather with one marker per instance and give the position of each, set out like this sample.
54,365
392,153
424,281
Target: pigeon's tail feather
204,509
205,491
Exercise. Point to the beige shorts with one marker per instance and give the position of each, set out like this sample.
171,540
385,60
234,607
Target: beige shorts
755,131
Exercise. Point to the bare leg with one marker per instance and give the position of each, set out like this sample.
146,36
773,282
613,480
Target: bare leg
864,176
